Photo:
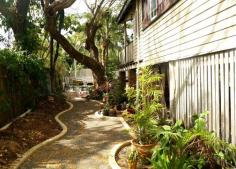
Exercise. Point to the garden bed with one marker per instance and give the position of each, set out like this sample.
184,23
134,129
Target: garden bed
122,156
30,130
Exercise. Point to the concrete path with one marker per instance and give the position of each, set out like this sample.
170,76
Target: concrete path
87,144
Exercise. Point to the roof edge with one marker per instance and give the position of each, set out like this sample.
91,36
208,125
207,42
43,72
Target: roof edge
123,11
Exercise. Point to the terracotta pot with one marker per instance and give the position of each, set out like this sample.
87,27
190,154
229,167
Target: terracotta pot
132,164
143,150
131,110
112,112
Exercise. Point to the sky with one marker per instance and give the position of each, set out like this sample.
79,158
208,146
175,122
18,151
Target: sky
77,8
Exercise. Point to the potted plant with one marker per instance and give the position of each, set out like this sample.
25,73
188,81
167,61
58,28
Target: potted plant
112,111
133,159
148,107
106,110
131,95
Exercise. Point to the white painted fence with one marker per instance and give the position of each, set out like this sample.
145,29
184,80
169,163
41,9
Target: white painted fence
206,83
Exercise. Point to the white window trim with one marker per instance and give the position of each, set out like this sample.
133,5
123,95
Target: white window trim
153,11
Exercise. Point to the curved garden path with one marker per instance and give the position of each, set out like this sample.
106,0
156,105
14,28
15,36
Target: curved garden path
87,143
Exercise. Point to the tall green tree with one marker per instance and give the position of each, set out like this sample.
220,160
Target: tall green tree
90,60
15,14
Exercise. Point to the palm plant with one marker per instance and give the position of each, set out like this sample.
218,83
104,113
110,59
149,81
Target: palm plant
148,106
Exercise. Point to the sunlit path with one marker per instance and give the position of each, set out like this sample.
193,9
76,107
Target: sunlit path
87,143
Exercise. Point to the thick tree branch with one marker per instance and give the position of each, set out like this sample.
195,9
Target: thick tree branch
95,66
91,30
50,13
61,4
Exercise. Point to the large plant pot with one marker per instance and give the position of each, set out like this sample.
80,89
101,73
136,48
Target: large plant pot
131,110
112,112
144,150
132,164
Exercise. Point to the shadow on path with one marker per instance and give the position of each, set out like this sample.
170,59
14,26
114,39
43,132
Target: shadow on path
87,143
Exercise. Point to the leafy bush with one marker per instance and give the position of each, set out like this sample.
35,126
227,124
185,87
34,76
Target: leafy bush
116,94
26,77
194,148
106,110
131,95
129,118
148,106
4,103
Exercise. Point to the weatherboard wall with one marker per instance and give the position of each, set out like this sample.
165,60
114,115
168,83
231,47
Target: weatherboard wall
189,28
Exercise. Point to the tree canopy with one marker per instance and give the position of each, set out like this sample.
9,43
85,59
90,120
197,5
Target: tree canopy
93,38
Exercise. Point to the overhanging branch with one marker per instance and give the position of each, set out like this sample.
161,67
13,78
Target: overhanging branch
61,4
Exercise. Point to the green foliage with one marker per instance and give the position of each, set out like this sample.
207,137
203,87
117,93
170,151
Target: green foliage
106,110
72,24
108,37
4,103
131,95
112,63
148,106
27,38
194,148
200,122
26,76
116,94
129,118
133,155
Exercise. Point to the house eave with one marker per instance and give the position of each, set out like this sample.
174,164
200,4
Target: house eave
125,9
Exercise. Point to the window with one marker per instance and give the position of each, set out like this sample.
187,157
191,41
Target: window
151,9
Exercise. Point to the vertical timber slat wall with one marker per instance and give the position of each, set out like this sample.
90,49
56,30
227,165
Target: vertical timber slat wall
206,83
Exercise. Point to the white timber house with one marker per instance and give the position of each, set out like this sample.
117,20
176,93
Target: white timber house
193,42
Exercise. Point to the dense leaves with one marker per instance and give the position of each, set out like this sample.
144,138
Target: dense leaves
194,148
23,17
25,77
148,106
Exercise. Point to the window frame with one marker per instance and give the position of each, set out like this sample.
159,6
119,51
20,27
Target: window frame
161,7
153,11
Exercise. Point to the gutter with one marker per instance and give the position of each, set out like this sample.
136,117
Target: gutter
123,11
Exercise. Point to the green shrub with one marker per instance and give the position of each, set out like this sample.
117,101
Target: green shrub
148,106
193,148
117,93
26,77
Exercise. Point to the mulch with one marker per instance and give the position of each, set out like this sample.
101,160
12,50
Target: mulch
30,130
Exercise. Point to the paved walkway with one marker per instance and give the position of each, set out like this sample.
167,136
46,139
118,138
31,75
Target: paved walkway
86,145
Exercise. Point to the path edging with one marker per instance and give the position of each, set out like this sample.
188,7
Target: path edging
114,151
8,124
118,147
27,154
127,127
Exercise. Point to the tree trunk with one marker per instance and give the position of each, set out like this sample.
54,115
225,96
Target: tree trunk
89,62
16,17
20,17
52,67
